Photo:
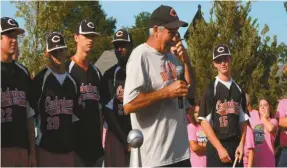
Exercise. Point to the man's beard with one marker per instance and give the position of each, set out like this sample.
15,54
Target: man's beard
122,60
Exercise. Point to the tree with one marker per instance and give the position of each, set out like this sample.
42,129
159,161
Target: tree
140,31
254,56
285,5
43,17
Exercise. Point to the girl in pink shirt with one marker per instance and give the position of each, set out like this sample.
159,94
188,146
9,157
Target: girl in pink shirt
197,139
265,130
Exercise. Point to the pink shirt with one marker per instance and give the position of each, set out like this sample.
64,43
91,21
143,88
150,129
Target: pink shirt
264,144
249,144
195,133
282,112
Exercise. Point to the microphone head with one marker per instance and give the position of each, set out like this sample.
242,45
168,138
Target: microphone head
135,138
179,70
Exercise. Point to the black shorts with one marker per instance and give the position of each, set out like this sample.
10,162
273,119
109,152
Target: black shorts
213,159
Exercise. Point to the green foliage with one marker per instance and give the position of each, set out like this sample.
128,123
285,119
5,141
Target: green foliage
140,31
43,17
255,56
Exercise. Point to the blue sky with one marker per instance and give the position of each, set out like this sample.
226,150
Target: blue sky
271,13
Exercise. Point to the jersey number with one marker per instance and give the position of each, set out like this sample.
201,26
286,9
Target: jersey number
53,123
6,115
223,121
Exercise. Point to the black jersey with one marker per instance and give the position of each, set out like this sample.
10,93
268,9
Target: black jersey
55,106
88,134
113,87
15,108
223,104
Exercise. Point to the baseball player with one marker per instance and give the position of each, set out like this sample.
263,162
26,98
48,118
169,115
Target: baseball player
222,114
88,131
55,95
17,123
119,124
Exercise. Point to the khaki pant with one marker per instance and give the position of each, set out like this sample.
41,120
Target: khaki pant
115,155
80,163
49,159
14,157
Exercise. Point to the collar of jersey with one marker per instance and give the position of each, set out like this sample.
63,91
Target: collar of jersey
225,83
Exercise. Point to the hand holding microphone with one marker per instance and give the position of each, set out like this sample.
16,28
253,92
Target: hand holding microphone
178,88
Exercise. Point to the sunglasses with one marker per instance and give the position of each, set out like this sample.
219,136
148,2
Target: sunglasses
221,59
11,34
121,44
57,53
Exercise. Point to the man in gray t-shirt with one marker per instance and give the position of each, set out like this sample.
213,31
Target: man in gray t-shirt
151,93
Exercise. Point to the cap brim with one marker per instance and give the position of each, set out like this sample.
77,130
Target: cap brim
90,33
56,48
221,56
176,24
16,29
120,40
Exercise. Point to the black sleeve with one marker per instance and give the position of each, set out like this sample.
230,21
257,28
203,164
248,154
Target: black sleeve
36,91
244,103
78,108
206,104
105,93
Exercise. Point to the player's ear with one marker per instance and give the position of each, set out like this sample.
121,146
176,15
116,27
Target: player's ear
214,64
76,37
46,54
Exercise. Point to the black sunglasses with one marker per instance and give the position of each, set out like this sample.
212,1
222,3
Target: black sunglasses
221,59
56,53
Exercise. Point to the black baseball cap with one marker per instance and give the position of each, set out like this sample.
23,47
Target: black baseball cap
10,24
122,35
87,27
167,17
221,50
55,41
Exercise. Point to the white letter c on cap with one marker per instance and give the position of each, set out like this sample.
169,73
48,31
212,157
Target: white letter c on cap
90,25
11,22
119,33
220,49
56,39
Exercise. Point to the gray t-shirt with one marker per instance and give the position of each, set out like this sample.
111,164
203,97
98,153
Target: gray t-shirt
163,124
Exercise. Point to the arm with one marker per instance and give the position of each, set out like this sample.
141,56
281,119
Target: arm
283,122
115,127
250,157
222,153
144,100
32,142
270,127
32,97
211,135
243,127
189,74
176,89
196,148
280,113
243,120
240,149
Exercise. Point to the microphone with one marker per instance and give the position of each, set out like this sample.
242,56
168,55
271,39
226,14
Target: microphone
135,139
179,76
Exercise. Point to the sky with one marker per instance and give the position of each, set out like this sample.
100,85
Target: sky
271,13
